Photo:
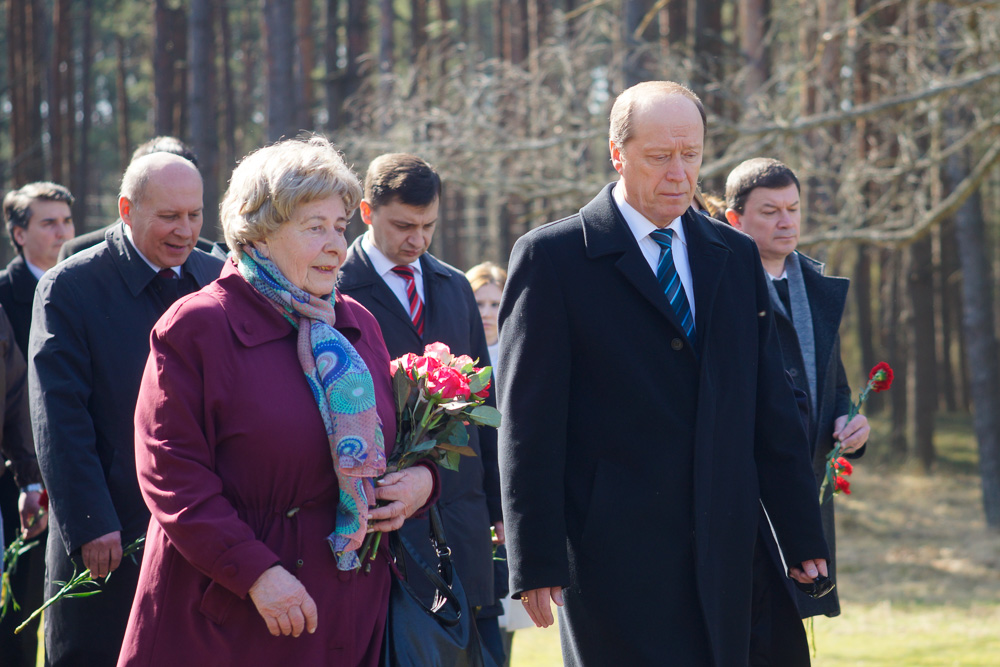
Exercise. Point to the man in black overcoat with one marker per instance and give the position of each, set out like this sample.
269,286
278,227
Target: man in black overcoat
400,208
763,200
636,444
89,342
39,222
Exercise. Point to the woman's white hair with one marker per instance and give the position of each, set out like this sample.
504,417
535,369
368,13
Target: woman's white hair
270,183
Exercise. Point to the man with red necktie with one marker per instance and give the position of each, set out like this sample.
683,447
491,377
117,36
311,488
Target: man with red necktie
418,299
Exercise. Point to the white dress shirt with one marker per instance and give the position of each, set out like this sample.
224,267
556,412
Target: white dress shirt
128,235
641,228
384,266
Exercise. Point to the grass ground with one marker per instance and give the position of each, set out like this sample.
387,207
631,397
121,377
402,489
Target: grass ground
919,572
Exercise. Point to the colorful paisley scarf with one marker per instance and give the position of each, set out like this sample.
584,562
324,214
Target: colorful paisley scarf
344,391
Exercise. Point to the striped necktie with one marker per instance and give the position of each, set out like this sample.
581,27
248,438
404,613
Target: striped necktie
670,282
416,306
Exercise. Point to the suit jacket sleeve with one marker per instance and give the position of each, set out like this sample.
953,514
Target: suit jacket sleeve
60,384
784,469
17,444
175,459
535,358
487,434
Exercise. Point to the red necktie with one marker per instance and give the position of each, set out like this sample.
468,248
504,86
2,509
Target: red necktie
416,305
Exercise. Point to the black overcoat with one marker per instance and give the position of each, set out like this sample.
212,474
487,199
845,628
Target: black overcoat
632,462
89,341
470,498
17,291
827,297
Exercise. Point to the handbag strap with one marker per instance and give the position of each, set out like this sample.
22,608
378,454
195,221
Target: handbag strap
443,594
440,543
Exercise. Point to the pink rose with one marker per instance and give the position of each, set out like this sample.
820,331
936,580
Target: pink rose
448,383
461,362
424,365
439,351
406,362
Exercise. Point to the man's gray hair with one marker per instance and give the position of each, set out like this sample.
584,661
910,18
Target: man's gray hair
626,103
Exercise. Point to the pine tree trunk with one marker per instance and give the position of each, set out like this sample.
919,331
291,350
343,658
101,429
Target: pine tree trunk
202,112
82,167
279,33
978,312
331,57
921,381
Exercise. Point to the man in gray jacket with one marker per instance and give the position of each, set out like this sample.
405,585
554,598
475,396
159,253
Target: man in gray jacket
88,346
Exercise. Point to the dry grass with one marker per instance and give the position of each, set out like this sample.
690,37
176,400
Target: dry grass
919,571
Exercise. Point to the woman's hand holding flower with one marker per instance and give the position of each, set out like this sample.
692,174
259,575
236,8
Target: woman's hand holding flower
283,602
405,492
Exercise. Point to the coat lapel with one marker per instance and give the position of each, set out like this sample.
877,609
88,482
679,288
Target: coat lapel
22,280
605,232
368,277
434,312
707,257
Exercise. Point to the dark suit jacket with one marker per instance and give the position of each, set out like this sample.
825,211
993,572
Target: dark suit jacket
470,498
93,314
827,298
17,291
92,238
632,462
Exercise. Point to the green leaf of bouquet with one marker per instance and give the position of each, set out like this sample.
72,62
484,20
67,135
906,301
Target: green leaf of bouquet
479,381
463,450
455,434
424,446
450,460
486,415
80,595
401,385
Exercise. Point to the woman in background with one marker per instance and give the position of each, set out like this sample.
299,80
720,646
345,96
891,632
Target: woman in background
487,280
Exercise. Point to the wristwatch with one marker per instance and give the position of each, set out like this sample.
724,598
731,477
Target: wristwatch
32,488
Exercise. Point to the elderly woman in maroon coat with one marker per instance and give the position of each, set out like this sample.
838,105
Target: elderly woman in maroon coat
261,428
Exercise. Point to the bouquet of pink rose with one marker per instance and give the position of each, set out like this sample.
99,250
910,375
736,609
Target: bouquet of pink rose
437,395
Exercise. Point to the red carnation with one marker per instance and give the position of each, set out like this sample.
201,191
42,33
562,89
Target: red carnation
882,374
844,466
843,485
43,500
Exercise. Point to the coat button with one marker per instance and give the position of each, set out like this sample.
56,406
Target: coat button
794,372
247,328
677,344
230,570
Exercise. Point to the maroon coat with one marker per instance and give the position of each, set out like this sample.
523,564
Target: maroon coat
235,466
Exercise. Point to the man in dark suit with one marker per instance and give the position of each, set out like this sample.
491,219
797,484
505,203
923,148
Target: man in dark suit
645,412
418,299
39,222
88,347
763,200
161,144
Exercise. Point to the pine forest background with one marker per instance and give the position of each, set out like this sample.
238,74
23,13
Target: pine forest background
888,110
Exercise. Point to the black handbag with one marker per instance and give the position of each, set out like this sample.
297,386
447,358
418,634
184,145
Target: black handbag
444,633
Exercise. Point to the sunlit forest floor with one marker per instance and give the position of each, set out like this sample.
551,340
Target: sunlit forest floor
919,573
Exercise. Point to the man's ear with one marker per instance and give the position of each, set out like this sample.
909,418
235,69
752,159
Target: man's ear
366,212
616,156
125,210
734,219
18,233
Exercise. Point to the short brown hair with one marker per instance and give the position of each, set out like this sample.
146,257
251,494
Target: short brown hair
621,113
403,177
758,172
485,274
17,204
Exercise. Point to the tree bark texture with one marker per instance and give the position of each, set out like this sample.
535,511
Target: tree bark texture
279,31
202,114
921,381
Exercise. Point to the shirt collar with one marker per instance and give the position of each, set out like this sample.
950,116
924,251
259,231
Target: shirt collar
156,269
36,271
638,224
383,265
